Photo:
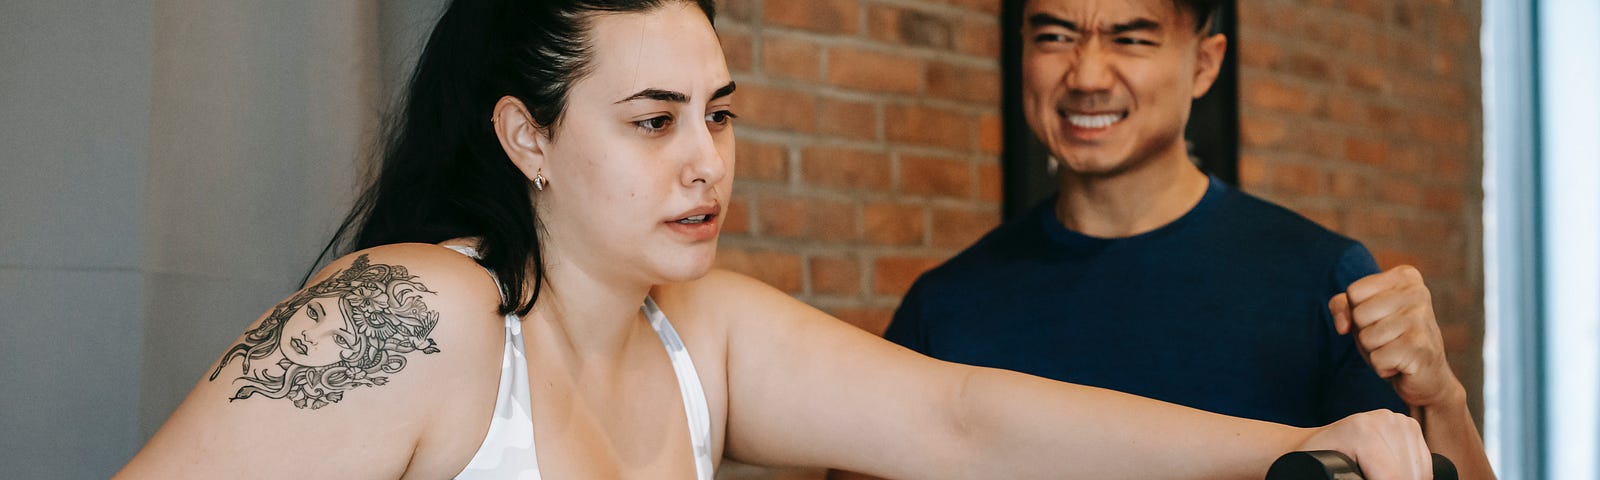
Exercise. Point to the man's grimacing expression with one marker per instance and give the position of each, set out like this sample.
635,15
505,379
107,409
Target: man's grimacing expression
1107,84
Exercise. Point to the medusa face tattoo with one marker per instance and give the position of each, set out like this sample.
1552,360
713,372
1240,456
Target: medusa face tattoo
351,330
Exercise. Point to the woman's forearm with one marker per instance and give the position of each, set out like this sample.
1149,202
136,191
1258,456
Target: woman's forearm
1018,426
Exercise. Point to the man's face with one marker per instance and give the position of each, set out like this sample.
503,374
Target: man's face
1107,83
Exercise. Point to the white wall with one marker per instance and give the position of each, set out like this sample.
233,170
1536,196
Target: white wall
168,170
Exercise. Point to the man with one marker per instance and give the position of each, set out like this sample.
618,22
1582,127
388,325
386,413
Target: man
1147,276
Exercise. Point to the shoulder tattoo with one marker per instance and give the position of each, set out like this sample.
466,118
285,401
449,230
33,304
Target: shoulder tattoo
351,330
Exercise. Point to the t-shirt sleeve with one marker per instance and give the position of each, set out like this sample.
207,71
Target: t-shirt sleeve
906,326
1352,385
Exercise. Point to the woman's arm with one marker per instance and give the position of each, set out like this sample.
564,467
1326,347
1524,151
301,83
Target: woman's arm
339,379
805,389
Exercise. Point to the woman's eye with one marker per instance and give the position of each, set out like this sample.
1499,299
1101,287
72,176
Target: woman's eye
654,124
721,117
311,311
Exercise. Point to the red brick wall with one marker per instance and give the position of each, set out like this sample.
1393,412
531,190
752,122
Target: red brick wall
1366,116
868,146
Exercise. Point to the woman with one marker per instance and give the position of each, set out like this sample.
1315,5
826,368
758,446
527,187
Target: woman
550,198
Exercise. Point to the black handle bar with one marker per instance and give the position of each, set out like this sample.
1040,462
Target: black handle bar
1331,465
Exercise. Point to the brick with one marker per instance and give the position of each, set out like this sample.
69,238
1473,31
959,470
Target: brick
836,275
979,39
781,270
873,320
989,182
946,177
927,126
806,218
1279,96
1400,192
1350,111
991,133
953,228
892,224
1255,131
760,161
780,108
828,16
738,50
1348,186
1308,66
1444,199
845,168
1261,55
893,275
736,10
791,58
736,218
911,27
1367,77
1282,177
1363,149
848,119
872,71
991,7
964,84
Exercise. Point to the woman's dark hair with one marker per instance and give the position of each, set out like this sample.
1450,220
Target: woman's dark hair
442,173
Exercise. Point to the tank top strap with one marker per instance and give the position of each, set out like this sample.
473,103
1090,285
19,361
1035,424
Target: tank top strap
472,253
508,449
694,394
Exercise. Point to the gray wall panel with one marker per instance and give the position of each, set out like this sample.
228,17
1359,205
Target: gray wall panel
75,133
70,348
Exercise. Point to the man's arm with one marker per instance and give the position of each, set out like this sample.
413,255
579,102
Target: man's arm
1391,314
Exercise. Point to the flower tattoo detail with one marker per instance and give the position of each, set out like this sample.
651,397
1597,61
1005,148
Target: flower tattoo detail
351,330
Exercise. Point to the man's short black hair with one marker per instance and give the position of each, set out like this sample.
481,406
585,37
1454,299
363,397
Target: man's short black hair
1205,13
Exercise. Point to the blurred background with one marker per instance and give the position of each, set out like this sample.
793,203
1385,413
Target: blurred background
169,169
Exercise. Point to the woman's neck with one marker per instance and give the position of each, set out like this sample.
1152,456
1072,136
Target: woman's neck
588,311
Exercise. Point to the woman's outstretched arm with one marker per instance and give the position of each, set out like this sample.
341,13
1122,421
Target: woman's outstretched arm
805,389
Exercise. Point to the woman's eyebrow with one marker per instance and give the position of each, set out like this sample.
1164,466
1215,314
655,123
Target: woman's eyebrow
661,95
724,91
657,94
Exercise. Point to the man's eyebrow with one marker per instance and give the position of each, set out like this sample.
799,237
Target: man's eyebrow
1137,24
657,94
1047,20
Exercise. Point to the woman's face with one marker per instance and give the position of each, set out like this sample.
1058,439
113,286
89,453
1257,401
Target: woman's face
641,165
317,334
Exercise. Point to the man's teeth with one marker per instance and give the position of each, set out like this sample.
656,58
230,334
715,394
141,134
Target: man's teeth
1094,121
694,219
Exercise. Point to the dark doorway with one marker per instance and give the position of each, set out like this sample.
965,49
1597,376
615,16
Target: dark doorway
1213,129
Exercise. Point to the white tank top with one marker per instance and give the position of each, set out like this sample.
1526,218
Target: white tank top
507,451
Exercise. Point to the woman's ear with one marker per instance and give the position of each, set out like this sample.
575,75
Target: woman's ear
522,139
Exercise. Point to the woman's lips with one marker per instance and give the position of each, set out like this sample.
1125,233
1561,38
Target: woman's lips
704,229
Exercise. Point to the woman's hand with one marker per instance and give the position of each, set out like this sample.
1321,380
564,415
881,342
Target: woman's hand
1387,445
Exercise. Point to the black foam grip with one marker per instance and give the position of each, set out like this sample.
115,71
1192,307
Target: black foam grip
1331,465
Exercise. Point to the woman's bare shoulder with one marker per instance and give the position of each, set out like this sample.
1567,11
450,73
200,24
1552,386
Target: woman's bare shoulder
363,354
726,295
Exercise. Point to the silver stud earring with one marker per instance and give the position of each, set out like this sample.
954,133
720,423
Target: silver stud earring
538,182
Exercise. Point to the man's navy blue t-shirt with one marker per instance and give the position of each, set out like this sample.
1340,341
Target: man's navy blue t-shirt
1224,309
